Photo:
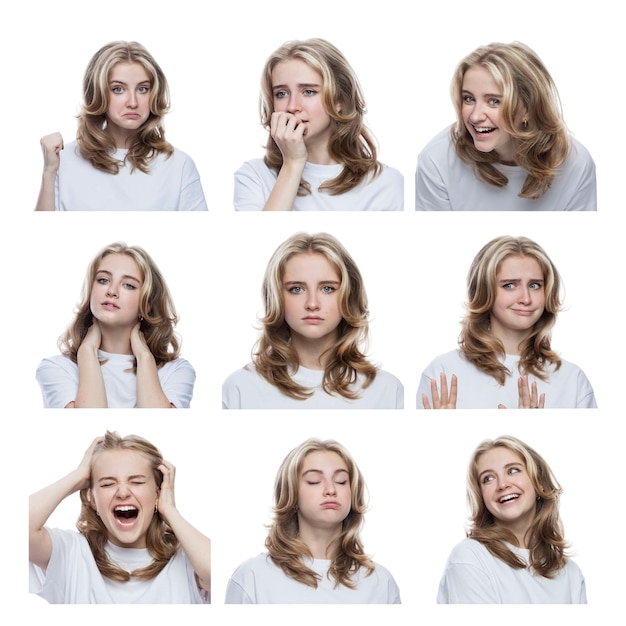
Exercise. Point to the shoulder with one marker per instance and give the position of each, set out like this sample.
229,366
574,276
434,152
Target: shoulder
579,154
178,365
439,145
243,375
390,175
255,167
384,377
447,360
57,362
469,552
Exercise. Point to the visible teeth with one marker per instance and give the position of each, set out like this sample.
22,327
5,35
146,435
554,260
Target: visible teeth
483,130
126,508
508,498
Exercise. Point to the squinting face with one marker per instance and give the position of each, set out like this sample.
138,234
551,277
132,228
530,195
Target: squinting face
124,493
520,295
115,292
297,90
482,99
324,495
506,488
311,296
129,100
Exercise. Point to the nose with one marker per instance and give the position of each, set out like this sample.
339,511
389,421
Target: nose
312,301
525,296
329,488
131,103
293,105
123,491
111,290
477,113
503,482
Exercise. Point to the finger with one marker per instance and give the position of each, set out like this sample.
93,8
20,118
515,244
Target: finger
453,390
542,400
501,406
534,399
523,392
443,389
434,392
425,402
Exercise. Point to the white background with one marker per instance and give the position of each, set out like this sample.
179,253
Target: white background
414,266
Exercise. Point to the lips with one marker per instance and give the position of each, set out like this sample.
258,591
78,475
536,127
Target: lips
484,130
510,497
126,514
331,504
110,305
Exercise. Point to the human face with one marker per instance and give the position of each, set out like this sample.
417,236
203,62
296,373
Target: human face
507,490
324,494
482,99
520,296
116,290
297,89
124,493
311,295
129,101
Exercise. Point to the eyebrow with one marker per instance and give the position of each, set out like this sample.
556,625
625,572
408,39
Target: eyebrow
519,280
487,95
134,476
127,276
301,85
516,464
302,282
316,471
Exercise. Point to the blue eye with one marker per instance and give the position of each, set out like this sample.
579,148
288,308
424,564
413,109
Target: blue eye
280,94
143,90
328,289
295,290
494,102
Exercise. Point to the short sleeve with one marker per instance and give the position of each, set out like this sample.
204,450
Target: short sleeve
191,193
177,381
58,380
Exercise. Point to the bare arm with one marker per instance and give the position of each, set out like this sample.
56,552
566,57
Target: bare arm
91,392
51,145
197,546
288,133
44,502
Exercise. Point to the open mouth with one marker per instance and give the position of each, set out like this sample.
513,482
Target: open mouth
509,498
483,130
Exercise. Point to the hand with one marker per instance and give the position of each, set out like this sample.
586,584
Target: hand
528,396
445,399
138,343
93,338
84,466
51,145
166,502
288,133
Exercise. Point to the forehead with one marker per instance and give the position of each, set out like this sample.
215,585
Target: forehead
309,266
129,72
497,458
323,460
116,263
295,71
121,463
516,266
478,79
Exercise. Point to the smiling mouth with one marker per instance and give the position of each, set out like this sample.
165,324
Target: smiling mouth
509,498
483,130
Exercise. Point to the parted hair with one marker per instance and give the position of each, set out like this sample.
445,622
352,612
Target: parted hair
351,143
477,342
530,112
158,316
161,542
545,539
285,547
95,143
274,356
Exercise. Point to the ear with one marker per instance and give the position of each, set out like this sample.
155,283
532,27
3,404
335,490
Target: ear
92,501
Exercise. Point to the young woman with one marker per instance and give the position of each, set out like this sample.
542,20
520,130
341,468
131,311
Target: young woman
504,358
133,545
120,160
320,156
515,552
121,350
314,552
509,149
309,354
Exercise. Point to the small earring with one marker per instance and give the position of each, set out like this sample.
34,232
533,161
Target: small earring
525,124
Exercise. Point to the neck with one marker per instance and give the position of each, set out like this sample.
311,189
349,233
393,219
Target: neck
115,340
312,353
510,339
318,154
319,541
121,139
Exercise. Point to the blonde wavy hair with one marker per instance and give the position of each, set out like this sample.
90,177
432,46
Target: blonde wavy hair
95,143
530,112
161,542
274,356
283,543
546,541
351,143
158,316
476,341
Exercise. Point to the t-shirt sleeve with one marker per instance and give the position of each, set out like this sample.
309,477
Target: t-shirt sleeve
177,383
585,196
249,192
431,193
58,380
239,585
191,193
586,398
231,393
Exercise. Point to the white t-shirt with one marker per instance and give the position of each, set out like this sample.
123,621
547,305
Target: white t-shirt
260,581
247,389
567,388
474,576
254,182
445,183
172,185
58,379
72,576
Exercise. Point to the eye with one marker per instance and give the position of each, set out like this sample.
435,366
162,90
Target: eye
508,286
468,99
328,289
143,90
138,482
342,482
106,484
280,94
310,482
309,92
494,102
129,286
117,89
537,286
514,470
295,290
102,281
487,479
